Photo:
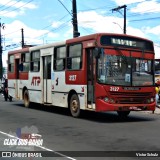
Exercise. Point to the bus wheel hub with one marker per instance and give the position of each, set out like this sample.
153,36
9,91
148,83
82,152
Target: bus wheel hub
74,105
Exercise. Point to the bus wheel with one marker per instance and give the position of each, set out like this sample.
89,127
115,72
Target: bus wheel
26,99
74,105
123,114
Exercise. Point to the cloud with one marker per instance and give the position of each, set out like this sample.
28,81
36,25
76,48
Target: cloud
14,8
154,30
56,24
16,4
91,21
29,33
141,6
136,32
147,7
99,23
154,34
122,2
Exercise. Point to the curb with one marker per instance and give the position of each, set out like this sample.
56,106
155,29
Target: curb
157,111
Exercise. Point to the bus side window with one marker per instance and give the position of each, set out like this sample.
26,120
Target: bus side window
35,61
59,58
74,57
25,59
11,63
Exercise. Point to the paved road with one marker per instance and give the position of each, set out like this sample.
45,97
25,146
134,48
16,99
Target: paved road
93,132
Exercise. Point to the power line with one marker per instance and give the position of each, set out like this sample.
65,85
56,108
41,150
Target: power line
60,27
65,8
12,32
10,5
58,20
136,20
5,4
18,7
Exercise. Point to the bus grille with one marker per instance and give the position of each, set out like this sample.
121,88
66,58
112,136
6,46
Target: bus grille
130,98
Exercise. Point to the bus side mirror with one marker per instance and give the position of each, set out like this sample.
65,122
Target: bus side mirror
20,67
97,52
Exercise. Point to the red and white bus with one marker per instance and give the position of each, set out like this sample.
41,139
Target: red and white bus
99,72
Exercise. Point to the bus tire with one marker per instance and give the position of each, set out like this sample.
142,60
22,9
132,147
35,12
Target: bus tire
74,106
123,114
26,99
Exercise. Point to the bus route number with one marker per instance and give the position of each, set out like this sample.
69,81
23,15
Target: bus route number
114,89
72,77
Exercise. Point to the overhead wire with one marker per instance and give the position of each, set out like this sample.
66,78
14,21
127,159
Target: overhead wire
5,4
18,7
98,8
65,7
10,5
12,32
136,20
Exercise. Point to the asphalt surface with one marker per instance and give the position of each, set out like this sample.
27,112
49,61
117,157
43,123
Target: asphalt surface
92,136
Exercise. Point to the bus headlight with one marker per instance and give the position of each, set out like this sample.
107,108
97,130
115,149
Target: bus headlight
112,100
106,99
148,100
152,99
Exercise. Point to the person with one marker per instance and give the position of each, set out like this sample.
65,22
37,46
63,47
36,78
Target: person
157,96
5,89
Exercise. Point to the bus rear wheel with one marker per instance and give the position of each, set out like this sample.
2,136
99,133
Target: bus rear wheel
26,99
123,114
74,106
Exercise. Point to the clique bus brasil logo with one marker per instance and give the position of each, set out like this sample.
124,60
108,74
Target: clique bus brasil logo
27,138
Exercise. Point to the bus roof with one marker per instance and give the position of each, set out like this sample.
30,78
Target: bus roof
22,50
96,35
74,40
47,46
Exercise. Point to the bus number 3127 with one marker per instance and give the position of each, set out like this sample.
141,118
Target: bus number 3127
114,89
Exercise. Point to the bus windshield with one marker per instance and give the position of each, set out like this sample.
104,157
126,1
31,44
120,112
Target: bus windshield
157,66
124,71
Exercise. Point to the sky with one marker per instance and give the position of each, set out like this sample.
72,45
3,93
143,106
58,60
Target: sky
47,21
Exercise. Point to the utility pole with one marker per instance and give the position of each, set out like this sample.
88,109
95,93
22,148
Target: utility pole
117,9
22,32
1,64
74,19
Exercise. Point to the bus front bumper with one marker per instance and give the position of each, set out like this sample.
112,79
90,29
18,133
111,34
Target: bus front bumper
101,105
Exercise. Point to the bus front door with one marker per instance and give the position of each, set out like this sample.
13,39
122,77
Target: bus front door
90,79
47,94
17,78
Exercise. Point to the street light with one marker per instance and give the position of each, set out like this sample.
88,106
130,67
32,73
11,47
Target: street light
119,26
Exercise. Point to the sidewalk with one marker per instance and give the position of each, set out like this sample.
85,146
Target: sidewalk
157,111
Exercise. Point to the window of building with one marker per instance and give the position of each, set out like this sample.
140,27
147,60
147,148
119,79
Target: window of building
11,63
25,59
59,58
74,58
35,61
